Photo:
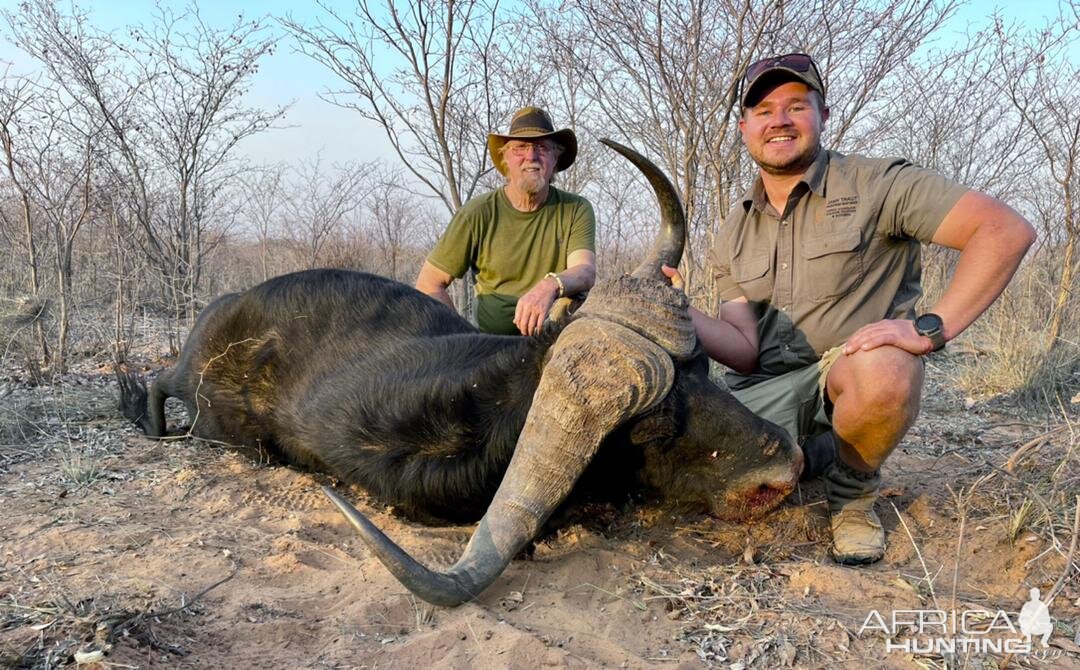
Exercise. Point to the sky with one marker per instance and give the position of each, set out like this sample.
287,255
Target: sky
313,127
336,135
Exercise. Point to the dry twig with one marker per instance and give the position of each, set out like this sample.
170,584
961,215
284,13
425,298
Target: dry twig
1060,584
918,552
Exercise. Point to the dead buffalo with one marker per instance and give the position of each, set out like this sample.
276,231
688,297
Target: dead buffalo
381,386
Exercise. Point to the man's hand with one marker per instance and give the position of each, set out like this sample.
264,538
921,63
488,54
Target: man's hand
899,333
532,308
673,274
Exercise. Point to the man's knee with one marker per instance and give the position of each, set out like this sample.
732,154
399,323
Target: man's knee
885,376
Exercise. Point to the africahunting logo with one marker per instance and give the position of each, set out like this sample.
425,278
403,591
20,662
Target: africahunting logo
978,631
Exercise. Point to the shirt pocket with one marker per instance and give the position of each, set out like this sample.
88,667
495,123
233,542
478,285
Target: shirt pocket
753,277
834,264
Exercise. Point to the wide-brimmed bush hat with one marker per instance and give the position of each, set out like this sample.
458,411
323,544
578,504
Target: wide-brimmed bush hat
533,123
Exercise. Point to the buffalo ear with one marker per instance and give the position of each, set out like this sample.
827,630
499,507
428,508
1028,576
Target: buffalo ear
653,428
663,424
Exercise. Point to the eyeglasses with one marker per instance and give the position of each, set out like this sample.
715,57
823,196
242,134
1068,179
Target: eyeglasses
798,62
520,149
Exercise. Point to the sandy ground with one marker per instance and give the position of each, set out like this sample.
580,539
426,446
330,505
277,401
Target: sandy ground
130,553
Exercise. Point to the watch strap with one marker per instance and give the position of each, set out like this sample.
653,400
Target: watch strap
935,334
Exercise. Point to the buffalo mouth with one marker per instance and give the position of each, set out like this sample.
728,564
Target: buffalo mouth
765,497
753,497
752,502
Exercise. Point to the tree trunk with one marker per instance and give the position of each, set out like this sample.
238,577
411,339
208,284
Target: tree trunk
1064,292
59,362
120,343
35,283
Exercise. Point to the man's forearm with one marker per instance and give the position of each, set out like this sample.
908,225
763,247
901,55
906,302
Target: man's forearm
724,343
987,263
443,296
578,278
433,281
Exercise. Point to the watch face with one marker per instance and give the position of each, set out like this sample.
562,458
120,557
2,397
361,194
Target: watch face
928,323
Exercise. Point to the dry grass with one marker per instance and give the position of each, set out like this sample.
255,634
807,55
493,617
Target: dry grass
80,470
68,415
745,615
84,629
1006,350
1039,487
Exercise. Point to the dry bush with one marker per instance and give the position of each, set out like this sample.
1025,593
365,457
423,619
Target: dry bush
1011,354
1006,350
17,319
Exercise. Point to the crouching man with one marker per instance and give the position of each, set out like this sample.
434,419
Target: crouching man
818,267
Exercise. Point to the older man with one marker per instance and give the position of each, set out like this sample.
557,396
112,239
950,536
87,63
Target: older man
528,242
818,266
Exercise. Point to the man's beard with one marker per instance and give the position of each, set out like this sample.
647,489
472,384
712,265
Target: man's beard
794,166
532,183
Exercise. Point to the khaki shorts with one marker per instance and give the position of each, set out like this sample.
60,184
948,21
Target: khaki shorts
795,401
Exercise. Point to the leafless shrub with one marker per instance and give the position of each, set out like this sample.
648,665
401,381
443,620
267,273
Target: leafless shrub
1004,352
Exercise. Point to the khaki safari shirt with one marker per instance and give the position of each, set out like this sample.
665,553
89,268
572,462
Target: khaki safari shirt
845,252
510,250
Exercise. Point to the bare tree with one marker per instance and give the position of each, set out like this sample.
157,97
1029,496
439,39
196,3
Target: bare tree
319,203
15,98
421,70
629,224
664,76
170,99
1036,75
52,171
862,50
264,203
986,148
395,221
65,149
125,271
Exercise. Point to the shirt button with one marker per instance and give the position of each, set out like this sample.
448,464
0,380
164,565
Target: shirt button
783,266
787,347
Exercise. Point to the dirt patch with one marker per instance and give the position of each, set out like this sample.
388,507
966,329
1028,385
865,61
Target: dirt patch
182,554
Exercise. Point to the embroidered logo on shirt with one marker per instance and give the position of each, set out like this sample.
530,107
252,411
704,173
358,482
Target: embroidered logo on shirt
841,207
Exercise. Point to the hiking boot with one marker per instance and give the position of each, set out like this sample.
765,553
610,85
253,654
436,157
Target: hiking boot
819,452
858,537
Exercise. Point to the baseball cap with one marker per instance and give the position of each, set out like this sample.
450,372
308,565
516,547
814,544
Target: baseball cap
774,69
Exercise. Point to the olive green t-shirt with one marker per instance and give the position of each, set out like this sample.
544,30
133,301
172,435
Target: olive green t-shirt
843,254
510,250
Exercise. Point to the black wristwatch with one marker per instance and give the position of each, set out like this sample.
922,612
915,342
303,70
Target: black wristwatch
930,325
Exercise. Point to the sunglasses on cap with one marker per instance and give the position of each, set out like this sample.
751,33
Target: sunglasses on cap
798,62
795,62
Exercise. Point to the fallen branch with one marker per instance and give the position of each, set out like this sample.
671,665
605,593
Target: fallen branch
138,618
1034,444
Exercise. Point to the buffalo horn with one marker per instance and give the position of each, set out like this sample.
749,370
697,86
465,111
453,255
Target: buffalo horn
600,374
668,247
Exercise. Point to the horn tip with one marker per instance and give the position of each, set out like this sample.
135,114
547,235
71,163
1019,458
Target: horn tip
607,141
